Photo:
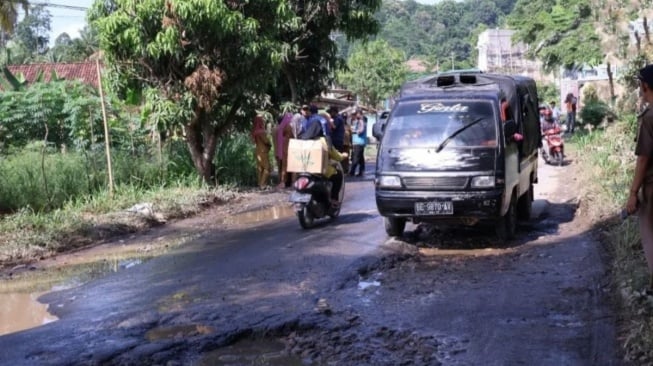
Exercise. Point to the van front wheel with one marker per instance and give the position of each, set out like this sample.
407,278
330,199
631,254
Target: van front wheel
394,226
507,224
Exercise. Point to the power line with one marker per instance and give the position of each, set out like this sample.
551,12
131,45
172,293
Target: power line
70,7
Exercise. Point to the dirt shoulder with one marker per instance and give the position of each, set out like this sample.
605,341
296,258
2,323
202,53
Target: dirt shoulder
126,235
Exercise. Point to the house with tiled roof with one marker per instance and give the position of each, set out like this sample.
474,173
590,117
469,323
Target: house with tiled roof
86,72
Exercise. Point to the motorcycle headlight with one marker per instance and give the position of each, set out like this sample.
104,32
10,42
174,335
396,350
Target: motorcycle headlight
389,181
484,181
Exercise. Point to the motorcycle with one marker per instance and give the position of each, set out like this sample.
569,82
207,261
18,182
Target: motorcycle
312,197
553,148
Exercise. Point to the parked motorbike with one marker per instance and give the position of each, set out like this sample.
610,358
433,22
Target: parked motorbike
553,149
312,197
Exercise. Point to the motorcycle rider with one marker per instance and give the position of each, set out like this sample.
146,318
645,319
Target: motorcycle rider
314,131
547,124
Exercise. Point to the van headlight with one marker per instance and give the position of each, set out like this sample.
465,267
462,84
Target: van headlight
484,181
389,181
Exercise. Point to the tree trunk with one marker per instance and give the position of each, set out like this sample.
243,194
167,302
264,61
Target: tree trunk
291,84
202,139
613,97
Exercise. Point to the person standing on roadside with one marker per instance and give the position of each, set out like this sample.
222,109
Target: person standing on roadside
570,104
346,144
555,111
359,140
283,135
338,133
640,199
263,145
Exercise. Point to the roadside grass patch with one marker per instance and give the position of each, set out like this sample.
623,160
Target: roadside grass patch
29,235
607,160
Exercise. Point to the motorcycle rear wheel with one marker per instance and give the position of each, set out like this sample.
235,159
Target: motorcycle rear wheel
306,219
558,158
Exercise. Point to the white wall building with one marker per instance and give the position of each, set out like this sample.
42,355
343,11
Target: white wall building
497,53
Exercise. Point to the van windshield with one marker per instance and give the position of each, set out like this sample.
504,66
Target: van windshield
428,123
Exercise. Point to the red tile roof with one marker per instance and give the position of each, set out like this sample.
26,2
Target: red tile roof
84,71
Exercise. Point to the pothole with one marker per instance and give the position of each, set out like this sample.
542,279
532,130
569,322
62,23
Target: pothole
22,311
178,332
264,352
260,215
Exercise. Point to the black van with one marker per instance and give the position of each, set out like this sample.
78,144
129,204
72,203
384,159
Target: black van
449,154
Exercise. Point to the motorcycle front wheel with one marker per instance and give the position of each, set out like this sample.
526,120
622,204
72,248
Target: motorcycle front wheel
306,219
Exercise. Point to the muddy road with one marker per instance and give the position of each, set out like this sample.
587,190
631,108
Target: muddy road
268,293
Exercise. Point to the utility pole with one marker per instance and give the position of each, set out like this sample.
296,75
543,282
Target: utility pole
453,66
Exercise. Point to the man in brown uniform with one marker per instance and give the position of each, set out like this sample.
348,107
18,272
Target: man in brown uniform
263,145
641,191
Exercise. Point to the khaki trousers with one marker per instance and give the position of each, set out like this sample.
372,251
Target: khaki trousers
646,223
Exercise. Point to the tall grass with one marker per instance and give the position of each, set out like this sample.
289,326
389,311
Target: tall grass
43,182
607,161
56,201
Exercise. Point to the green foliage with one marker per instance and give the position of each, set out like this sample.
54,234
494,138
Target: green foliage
9,13
609,154
548,92
33,31
436,32
68,111
209,64
376,71
594,111
235,160
561,34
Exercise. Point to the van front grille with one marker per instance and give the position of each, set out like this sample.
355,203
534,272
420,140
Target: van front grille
435,182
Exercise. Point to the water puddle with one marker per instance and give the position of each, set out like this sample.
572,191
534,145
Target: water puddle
363,285
266,214
19,309
22,311
177,332
251,352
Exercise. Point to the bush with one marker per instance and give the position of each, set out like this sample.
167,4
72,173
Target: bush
235,162
594,112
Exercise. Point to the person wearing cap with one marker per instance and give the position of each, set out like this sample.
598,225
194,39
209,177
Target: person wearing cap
315,116
640,199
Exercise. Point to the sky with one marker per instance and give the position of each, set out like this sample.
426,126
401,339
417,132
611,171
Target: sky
67,20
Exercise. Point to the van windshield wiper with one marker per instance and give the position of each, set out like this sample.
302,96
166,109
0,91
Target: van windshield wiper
456,133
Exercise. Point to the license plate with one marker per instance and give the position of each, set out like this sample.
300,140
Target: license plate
300,197
434,208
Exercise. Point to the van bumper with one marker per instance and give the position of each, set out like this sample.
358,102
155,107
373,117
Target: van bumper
476,205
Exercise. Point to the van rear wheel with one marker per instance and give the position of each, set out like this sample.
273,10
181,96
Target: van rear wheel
394,226
507,224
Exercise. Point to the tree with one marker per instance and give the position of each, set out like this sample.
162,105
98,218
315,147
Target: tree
9,14
376,71
311,54
33,31
208,65
559,35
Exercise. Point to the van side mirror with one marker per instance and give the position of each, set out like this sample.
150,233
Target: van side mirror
509,128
